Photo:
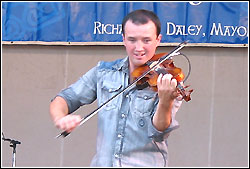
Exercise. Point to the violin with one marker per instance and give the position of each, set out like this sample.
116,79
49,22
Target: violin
150,79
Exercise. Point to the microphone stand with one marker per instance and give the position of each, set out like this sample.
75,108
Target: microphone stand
13,144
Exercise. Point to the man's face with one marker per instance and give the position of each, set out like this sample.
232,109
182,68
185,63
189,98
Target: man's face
140,42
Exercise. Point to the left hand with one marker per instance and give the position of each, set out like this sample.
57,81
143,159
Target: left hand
167,90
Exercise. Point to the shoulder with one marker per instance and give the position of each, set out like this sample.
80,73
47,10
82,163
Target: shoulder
112,65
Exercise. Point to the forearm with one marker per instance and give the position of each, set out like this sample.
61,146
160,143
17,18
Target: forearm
58,108
162,117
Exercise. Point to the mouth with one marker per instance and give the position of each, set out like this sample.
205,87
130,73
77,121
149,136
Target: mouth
139,55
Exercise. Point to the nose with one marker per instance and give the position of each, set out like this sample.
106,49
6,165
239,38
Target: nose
139,46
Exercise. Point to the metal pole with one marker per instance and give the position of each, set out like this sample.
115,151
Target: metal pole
13,144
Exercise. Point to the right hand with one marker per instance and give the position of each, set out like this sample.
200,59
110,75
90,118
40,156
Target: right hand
68,123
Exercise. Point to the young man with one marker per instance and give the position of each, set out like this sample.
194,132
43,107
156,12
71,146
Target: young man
133,128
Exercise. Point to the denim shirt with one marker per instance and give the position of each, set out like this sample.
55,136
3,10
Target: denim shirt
126,136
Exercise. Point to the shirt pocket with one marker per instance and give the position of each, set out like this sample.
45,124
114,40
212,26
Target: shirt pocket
109,89
144,102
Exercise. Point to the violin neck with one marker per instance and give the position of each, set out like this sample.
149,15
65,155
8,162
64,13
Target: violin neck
161,71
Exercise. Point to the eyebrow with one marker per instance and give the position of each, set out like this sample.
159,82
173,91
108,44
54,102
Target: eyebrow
131,37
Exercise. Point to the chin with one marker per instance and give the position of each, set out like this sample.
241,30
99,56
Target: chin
140,63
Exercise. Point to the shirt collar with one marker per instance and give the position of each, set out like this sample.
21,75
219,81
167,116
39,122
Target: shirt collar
123,65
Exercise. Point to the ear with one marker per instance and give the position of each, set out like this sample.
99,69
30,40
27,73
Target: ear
159,39
123,38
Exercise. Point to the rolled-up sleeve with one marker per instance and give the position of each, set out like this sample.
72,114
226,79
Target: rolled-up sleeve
160,136
82,91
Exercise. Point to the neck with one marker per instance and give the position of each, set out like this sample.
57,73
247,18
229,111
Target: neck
131,69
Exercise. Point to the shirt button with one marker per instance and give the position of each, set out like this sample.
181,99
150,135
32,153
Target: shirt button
123,115
141,122
127,96
145,97
117,156
110,90
119,135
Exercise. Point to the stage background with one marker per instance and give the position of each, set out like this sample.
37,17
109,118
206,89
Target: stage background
198,22
213,125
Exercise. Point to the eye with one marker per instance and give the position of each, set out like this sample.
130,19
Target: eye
131,39
147,40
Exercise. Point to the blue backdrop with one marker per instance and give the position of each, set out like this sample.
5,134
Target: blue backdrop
198,22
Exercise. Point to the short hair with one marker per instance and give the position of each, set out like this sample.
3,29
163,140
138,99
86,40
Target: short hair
142,16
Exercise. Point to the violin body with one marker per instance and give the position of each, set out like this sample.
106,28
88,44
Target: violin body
166,67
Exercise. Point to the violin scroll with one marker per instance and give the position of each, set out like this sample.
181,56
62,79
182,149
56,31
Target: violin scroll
185,94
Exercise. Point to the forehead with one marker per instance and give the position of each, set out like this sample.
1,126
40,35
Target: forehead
144,29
